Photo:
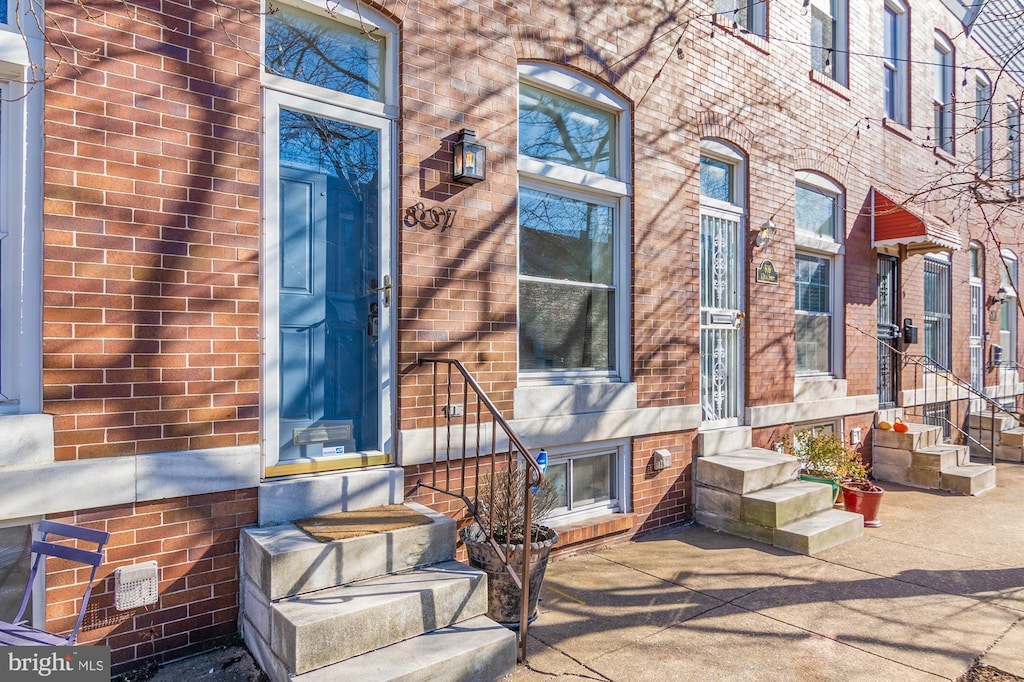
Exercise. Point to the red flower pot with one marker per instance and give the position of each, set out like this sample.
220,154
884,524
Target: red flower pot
864,499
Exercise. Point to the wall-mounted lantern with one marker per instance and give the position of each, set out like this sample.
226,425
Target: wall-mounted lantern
765,234
469,165
999,298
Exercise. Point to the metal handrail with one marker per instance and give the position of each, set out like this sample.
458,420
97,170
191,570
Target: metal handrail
462,467
929,364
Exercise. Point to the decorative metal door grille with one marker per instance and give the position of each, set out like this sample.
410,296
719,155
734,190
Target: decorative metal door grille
888,331
721,375
937,339
976,344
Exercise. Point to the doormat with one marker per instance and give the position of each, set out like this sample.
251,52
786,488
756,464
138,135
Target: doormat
343,525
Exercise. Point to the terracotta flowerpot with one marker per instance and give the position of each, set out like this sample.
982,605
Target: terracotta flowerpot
503,597
864,499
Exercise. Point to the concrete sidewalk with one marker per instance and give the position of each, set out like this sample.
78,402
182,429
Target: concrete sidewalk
937,587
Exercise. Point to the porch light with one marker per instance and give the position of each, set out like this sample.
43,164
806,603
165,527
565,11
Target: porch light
469,162
766,234
999,298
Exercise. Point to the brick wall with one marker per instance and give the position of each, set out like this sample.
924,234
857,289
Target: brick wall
151,227
194,541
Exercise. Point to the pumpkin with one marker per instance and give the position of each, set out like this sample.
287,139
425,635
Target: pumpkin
899,427
885,426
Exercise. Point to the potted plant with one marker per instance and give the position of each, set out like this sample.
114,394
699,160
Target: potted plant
861,496
824,458
499,503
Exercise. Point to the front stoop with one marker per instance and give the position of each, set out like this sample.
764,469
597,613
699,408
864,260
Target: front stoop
388,606
756,493
1001,432
919,459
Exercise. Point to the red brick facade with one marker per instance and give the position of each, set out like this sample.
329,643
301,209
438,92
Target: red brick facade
152,245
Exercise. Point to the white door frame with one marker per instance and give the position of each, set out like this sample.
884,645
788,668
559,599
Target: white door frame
270,275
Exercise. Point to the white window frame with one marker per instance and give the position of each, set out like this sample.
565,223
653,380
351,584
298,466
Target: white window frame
1013,146
365,19
983,125
621,457
21,181
943,103
838,53
1009,280
895,63
834,249
612,190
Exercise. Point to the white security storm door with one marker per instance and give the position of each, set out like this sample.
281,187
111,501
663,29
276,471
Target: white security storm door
721,320
888,331
976,343
329,247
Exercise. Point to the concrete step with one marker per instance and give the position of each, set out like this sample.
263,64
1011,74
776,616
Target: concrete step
733,526
286,499
919,436
474,650
1007,453
969,479
1013,437
1000,422
284,561
319,628
776,506
940,457
745,471
820,531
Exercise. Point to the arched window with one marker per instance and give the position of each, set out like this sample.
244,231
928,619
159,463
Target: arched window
818,274
943,96
574,160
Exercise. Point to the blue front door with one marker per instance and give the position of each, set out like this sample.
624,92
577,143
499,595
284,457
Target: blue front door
333,288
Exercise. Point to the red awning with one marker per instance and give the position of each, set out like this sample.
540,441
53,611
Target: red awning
894,224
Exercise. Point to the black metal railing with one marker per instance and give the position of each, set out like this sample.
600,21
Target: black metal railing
934,389
471,442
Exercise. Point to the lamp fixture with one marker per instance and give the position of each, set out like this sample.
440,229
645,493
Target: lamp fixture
765,234
469,161
1000,297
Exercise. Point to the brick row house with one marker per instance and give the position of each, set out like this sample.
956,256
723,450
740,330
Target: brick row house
231,233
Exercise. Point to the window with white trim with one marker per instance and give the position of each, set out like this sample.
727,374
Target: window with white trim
943,96
820,221
1013,146
983,126
21,115
749,16
589,481
1009,313
895,62
573,228
829,29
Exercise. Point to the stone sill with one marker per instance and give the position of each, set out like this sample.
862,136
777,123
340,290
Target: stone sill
594,528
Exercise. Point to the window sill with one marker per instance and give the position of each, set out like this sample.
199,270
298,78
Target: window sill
945,156
830,84
596,528
760,43
898,128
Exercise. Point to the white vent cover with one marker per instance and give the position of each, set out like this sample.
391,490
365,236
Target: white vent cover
135,586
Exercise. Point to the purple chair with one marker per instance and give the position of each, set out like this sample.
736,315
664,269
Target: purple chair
18,632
